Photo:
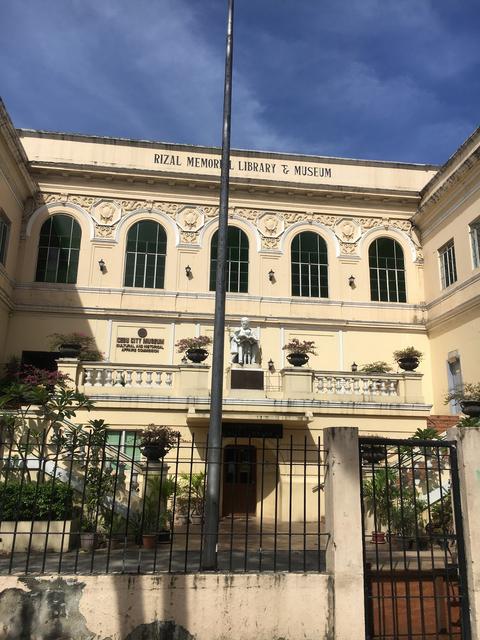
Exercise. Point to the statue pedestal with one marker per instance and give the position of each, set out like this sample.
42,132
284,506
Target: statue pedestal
247,377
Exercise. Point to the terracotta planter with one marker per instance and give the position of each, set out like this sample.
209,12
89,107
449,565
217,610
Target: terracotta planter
408,364
471,408
149,540
197,355
378,537
297,359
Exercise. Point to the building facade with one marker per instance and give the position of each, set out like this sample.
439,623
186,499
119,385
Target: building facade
117,239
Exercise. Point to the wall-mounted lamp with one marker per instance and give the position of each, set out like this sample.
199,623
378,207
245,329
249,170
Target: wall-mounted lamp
271,366
354,366
351,282
271,275
188,271
102,266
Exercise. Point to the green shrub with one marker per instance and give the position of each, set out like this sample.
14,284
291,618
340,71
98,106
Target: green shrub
376,367
43,501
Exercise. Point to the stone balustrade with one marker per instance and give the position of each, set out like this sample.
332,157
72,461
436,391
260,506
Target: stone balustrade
355,384
190,381
126,376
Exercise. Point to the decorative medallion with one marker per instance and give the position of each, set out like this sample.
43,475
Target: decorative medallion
270,225
106,212
190,218
347,230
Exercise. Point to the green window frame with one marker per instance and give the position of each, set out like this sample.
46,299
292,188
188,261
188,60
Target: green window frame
59,250
387,271
4,235
309,265
125,442
145,255
237,261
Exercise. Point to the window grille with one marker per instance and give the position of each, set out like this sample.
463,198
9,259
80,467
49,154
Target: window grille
59,250
309,266
387,271
448,268
4,233
145,255
475,236
237,261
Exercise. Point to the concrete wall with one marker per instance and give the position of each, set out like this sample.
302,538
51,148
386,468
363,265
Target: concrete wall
176,607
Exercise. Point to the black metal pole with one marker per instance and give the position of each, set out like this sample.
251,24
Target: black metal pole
214,458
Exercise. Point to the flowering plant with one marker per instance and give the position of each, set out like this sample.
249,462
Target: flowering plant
160,436
468,392
88,351
305,346
185,344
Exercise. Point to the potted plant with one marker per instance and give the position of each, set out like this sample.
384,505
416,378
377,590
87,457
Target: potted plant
156,515
468,398
376,367
157,440
408,359
191,495
298,351
75,345
379,492
194,348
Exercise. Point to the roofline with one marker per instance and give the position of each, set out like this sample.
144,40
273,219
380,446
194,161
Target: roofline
204,149
451,160
13,141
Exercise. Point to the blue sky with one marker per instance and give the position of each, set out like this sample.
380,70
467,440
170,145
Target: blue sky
376,79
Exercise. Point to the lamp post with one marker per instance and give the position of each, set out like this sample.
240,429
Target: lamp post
214,452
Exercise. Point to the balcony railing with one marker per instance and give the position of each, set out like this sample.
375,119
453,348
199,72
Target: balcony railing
290,383
355,384
127,376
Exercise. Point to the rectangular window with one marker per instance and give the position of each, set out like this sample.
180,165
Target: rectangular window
475,235
4,232
455,382
448,267
124,445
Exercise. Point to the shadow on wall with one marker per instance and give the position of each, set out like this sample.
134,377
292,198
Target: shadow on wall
49,610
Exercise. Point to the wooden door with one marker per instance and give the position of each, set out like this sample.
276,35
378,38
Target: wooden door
239,480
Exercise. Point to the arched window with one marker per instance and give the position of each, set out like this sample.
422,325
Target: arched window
145,255
58,250
387,271
309,265
237,261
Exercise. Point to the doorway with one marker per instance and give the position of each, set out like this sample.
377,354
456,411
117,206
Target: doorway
239,480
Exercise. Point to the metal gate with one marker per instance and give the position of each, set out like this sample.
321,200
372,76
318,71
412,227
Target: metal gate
413,548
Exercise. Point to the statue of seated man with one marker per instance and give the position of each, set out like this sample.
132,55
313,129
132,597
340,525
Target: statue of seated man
244,344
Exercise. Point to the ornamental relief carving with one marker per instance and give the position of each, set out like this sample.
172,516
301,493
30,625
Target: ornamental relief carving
270,243
190,218
188,237
348,248
270,225
106,212
347,230
105,231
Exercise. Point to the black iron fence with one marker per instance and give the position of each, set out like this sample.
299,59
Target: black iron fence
415,585
76,504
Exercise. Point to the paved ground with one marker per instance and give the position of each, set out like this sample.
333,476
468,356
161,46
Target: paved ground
244,545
